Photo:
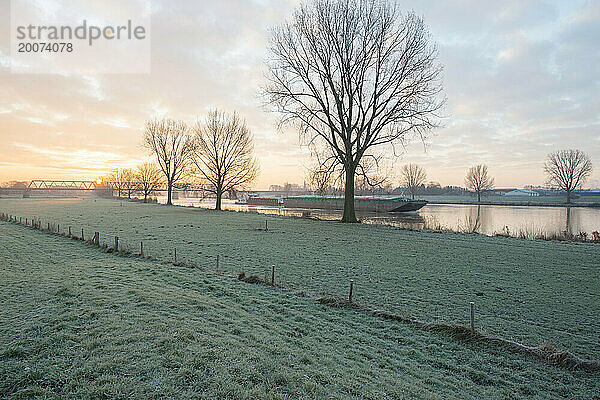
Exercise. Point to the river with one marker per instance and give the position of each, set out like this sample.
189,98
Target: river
525,221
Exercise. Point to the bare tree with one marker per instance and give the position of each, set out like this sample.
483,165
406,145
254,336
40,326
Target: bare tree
223,154
149,179
110,179
170,141
354,75
567,170
478,180
119,180
128,181
413,177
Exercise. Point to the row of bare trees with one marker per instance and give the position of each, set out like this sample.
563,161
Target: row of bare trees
216,152
566,170
358,78
477,179
145,179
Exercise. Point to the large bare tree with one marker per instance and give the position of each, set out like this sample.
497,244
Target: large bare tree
567,170
223,153
173,146
413,177
354,75
479,180
149,178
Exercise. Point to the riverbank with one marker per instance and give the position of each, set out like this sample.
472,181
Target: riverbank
514,201
535,292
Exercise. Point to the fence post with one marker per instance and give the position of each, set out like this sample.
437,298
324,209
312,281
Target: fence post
142,248
266,224
175,255
116,243
82,238
26,222
471,305
58,228
48,225
97,238
69,231
273,275
351,290
218,257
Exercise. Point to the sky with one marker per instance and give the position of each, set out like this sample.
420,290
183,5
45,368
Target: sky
521,80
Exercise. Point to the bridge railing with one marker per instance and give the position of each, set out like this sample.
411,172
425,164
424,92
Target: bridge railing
41,184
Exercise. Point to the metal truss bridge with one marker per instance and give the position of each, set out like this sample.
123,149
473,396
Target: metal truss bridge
42,184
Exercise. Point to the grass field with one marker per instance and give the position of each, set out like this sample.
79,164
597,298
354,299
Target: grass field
77,323
532,291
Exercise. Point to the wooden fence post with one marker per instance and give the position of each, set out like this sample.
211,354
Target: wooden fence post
471,305
82,238
142,248
273,275
351,290
69,231
116,243
175,255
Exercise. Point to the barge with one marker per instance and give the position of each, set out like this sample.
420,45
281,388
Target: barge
369,204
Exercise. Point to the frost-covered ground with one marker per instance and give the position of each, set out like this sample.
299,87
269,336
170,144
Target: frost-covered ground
77,323
532,291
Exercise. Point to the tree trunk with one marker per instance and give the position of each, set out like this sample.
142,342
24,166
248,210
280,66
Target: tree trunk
169,190
219,195
478,196
145,197
349,214
568,197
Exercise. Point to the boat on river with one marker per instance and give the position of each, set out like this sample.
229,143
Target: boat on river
361,203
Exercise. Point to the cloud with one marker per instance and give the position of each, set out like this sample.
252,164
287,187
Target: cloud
520,78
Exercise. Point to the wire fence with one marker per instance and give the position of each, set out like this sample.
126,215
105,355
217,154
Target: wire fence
114,243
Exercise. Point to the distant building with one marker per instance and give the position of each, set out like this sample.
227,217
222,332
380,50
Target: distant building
589,193
502,192
522,192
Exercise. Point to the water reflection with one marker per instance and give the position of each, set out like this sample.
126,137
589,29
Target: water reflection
526,221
